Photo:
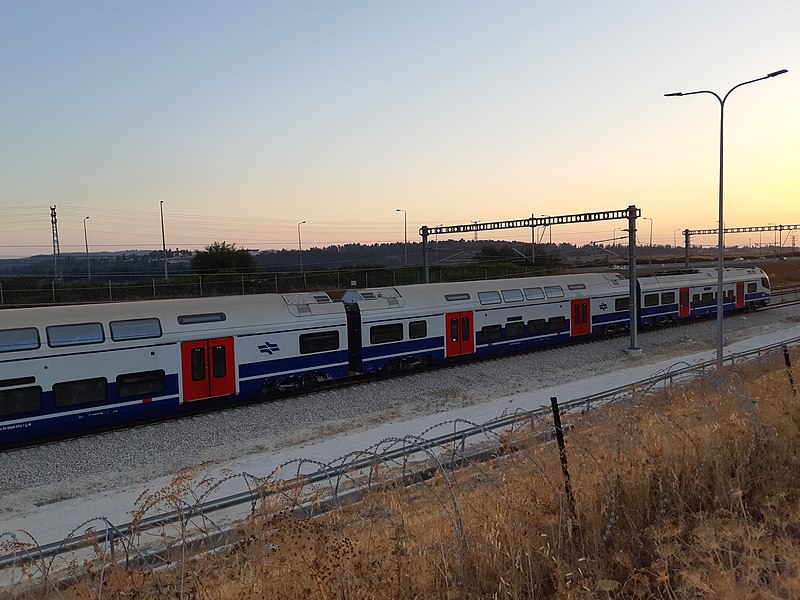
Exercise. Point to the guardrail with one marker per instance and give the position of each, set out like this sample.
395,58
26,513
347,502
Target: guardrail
347,468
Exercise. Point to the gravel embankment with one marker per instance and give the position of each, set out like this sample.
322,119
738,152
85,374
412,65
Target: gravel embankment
77,467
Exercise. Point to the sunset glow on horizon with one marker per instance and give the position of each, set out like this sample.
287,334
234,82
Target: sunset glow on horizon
250,117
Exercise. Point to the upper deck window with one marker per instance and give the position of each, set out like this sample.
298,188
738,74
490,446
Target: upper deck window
512,295
59,336
135,329
489,297
534,293
554,291
24,338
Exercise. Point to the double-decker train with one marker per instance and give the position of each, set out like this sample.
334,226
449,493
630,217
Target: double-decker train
66,370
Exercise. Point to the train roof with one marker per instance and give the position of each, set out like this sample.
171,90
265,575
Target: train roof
460,292
698,277
235,311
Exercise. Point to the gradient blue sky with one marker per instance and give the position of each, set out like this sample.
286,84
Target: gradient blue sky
248,117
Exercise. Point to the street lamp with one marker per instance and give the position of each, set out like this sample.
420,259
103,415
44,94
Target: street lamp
405,233
721,238
675,240
163,239
300,245
86,242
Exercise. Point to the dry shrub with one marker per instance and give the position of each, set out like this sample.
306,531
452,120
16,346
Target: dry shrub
691,492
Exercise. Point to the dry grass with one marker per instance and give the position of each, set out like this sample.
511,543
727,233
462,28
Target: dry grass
692,492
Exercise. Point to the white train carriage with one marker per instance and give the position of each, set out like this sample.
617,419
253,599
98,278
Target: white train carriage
672,297
406,325
71,368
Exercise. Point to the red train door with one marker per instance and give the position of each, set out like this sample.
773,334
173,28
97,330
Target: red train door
581,323
208,368
460,338
740,294
683,307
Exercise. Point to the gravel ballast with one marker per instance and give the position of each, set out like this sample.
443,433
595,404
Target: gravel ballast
73,468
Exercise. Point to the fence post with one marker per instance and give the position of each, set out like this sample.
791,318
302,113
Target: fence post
787,359
200,279
110,298
563,454
276,283
54,290
242,285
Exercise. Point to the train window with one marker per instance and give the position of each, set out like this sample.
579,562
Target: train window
668,298
82,391
751,287
197,359
17,381
465,329
454,329
489,297
707,298
577,286
621,304
696,299
537,327
492,333
764,282
145,383
24,338
417,329
456,297
533,293
729,295
515,329
554,291
135,329
556,324
319,342
651,299
512,295
383,334
219,367
20,400
201,318
59,336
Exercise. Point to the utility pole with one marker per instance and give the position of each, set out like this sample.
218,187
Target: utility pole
56,248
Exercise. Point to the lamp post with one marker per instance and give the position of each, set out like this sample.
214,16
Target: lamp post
721,238
675,241
163,239
300,245
86,242
405,233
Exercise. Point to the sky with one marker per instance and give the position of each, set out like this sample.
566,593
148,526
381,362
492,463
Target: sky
246,118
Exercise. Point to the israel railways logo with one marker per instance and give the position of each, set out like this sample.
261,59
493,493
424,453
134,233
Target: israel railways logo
603,306
268,348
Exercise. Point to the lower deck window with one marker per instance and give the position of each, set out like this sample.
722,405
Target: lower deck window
515,329
651,299
145,383
323,341
383,334
537,327
82,391
20,400
621,304
556,324
668,298
417,329
752,287
492,333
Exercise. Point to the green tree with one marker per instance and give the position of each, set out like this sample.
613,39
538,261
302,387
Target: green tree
221,257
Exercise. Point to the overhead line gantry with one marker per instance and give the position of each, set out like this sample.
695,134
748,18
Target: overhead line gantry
688,233
631,213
